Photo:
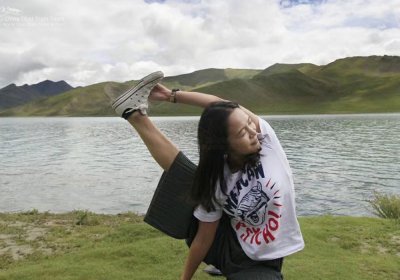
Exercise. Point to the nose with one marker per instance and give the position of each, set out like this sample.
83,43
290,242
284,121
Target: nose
252,132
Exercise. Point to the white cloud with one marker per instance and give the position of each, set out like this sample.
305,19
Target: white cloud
85,42
392,45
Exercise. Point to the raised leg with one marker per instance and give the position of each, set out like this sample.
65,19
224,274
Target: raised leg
159,146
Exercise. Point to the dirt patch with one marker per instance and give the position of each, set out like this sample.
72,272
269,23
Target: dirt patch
334,239
365,248
395,239
18,246
18,224
382,249
6,236
16,251
34,233
391,247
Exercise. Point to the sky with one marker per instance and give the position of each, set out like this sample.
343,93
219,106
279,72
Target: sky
89,41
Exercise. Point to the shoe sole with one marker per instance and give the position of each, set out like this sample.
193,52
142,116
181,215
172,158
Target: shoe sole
143,82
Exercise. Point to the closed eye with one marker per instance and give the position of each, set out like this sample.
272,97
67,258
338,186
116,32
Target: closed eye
243,131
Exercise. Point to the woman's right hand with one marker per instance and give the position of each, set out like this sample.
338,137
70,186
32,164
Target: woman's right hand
160,93
198,249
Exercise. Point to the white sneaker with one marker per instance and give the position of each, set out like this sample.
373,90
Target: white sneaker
212,270
136,98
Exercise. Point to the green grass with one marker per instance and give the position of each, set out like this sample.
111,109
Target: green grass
83,245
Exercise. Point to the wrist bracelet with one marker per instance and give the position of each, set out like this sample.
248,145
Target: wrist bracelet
172,98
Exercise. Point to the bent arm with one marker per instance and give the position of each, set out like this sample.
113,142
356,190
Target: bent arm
162,93
203,100
198,250
196,98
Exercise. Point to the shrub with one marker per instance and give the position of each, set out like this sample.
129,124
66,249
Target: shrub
34,211
85,218
386,206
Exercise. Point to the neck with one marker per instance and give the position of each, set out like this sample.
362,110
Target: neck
235,162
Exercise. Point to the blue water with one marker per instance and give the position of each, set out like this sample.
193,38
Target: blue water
100,164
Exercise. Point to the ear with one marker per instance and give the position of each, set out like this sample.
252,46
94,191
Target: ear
259,186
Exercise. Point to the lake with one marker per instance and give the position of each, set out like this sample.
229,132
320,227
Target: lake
101,165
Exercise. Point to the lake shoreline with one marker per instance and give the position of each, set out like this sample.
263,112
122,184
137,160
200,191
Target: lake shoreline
141,215
263,114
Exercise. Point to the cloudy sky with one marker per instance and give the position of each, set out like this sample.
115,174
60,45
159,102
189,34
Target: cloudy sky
89,41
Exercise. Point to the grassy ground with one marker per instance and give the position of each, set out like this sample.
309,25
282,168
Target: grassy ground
82,245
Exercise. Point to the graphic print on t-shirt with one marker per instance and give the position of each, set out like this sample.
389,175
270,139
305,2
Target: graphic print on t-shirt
254,207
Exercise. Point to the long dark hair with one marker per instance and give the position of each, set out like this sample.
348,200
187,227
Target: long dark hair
212,136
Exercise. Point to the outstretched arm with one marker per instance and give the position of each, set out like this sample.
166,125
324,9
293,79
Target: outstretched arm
162,93
198,249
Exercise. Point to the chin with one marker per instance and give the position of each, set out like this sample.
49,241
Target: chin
257,148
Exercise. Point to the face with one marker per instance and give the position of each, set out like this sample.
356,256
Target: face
242,134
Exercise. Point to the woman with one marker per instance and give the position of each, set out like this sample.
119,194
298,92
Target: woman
245,221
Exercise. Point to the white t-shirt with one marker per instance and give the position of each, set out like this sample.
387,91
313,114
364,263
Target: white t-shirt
261,203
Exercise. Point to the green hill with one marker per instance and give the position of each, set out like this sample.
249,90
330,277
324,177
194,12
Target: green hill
348,85
282,68
379,66
209,76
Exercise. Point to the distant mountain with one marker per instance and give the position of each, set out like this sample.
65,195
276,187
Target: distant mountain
92,100
348,85
12,95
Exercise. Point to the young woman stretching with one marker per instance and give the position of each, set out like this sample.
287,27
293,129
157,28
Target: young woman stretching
241,206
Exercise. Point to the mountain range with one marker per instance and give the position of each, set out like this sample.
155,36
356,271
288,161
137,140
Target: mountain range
348,85
13,95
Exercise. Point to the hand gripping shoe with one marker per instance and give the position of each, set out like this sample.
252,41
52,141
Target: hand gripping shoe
136,98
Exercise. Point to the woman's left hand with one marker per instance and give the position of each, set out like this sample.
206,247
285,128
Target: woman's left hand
160,93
